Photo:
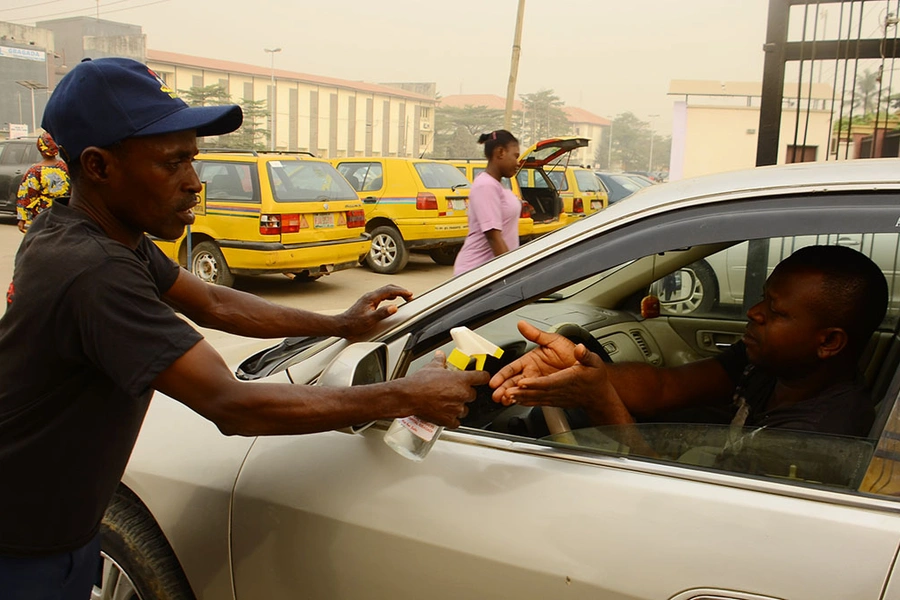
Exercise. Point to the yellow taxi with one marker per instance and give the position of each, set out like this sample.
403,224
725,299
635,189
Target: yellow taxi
274,212
581,191
410,205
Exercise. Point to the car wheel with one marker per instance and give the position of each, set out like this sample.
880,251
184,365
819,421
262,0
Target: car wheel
388,253
444,255
137,561
208,264
704,293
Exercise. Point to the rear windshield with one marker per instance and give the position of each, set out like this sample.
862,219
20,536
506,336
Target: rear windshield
308,181
440,175
587,181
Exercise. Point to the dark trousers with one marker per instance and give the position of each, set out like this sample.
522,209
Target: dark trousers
66,576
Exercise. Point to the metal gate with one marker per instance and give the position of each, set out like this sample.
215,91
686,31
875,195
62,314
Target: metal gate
850,45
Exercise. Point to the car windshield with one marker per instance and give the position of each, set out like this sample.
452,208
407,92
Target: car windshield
440,175
308,181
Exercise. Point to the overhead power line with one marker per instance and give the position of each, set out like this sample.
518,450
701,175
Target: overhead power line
28,5
87,11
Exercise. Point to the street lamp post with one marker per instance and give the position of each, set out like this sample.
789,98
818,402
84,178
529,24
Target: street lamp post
609,151
650,162
272,51
32,85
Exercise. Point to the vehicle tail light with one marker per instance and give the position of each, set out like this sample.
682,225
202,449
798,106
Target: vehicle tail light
356,218
426,201
270,224
290,223
527,211
577,205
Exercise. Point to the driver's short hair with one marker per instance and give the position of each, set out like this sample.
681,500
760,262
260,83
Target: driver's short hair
855,291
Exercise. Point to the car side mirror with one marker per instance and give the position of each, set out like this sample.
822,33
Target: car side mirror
362,363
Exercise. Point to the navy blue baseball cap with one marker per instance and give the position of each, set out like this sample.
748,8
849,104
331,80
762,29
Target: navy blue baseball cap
104,101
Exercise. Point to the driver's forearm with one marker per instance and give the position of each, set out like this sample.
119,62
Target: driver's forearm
639,387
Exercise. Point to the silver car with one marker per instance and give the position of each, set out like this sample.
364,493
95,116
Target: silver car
505,508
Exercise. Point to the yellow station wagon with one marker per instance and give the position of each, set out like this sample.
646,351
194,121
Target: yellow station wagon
271,213
410,204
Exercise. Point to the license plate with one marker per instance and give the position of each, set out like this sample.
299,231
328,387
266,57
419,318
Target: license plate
323,220
458,204
596,205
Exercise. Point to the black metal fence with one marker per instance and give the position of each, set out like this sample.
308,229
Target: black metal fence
851,46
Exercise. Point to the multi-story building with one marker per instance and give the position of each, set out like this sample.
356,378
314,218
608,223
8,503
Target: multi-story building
327,116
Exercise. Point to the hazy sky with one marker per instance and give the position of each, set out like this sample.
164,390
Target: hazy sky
602,55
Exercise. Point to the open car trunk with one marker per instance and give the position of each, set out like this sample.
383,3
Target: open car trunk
545,202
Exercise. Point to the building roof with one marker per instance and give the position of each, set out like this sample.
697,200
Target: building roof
689,87
247,69
574,114
579,115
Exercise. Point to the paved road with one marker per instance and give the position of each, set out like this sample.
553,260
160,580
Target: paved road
329,294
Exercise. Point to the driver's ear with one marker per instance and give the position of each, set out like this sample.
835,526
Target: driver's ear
831,341
95,163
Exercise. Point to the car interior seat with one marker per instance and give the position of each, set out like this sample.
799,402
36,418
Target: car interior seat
227,185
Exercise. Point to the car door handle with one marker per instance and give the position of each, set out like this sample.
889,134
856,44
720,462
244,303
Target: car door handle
370,199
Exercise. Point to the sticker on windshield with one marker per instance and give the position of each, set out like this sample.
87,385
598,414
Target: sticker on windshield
276,164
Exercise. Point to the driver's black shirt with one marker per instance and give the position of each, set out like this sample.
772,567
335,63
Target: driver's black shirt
842,409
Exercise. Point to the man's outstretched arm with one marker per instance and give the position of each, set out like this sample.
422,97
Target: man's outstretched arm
201,380
244,314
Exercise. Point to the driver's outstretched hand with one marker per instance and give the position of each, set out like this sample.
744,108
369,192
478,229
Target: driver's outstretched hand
578,386
554,353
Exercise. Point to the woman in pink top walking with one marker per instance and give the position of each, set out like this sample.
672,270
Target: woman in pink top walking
493,210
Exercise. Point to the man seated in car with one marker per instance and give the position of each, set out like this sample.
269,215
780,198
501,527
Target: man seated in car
795,368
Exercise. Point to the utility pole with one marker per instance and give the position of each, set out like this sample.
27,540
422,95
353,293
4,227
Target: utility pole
272,51
609,152
514,67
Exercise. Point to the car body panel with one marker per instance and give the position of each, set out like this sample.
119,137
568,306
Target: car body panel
546,151
489,515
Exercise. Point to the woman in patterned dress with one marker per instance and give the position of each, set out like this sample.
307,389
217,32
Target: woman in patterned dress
43,182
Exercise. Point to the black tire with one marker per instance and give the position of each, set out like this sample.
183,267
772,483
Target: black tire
389,253
704,296
138,563
444,255
208,264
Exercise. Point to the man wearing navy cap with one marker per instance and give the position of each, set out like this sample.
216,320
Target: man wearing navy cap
90,332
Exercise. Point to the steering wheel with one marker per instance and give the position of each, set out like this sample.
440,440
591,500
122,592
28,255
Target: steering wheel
556,419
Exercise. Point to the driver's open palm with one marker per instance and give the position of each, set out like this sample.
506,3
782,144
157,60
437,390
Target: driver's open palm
554,353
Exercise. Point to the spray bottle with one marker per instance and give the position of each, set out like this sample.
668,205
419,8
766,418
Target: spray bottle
413,437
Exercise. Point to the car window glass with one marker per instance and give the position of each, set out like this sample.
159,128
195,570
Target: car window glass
604,307
522,178
227,181
626,182
32,154
14,154
559,180
308,181
587,181
440,175
364,177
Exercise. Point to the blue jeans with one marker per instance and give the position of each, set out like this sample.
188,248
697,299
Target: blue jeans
66,576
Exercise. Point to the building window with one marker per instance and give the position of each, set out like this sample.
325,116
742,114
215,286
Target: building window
426,112
197,81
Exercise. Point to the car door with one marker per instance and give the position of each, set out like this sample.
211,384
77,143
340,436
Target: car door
494,515
13,164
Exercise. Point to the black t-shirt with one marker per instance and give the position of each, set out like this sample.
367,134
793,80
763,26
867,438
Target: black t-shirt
84,335
842,409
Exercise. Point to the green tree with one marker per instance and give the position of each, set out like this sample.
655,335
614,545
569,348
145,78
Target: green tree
251,135
866,92
542,117
631,146
210,95
457,130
